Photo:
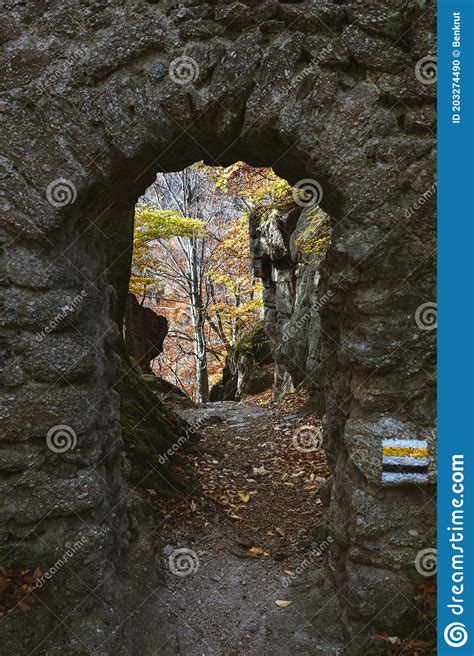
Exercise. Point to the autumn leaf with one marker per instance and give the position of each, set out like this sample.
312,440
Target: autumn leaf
427,589
257,551
260,471
237,517
245,496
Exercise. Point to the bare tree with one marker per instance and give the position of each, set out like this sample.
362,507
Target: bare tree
184,261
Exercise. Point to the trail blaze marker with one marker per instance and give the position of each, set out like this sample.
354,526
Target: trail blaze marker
404,461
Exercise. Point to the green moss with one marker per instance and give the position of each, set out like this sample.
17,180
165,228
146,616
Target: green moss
393,25
314,241
259,381
417,4
254,347
249,340
152,433
264,211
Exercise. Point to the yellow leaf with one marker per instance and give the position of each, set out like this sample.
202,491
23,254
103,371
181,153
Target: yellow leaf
255,551
245,496
283,603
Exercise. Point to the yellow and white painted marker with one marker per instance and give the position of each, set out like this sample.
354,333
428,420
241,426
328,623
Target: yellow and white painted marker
404,461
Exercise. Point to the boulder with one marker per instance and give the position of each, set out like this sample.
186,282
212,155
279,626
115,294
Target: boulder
248,369
145,332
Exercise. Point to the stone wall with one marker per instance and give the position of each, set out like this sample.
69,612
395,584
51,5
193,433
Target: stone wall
96,101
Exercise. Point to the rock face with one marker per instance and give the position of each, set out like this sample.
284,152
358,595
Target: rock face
150,429
145,332
288,249
97,99
247,369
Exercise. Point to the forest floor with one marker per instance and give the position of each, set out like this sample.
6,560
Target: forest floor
242,555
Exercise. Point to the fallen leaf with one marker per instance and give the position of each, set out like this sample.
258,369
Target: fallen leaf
255,551
282,603
245,496
239,519
260,471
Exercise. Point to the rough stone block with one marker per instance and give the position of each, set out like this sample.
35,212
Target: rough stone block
59,358
364,440
371,590
34,409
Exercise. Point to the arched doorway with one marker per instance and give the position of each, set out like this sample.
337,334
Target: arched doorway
316,92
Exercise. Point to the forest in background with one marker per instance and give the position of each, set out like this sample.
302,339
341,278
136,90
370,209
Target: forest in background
192,264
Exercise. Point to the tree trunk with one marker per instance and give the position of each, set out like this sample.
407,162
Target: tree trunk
202,378
198,319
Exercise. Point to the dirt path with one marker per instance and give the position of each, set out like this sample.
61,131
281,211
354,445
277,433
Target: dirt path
243,559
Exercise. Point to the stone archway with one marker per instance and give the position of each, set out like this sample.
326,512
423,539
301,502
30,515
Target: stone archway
100,96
